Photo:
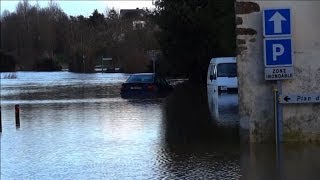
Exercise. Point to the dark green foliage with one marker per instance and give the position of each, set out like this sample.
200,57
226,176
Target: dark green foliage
7,63
32,33
193,31
189,33
96,18
47,64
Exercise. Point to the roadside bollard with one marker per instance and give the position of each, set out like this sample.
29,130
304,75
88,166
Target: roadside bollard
17,110
0,121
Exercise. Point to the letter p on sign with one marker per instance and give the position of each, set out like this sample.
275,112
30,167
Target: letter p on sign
277,50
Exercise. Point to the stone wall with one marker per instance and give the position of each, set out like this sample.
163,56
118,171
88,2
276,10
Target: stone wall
301,122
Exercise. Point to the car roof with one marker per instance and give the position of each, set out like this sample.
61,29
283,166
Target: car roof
142,74
219,60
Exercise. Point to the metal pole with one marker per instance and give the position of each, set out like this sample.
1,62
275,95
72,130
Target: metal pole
279,130
278,110
275,110
84,66
154,66
114,67
17,112
0,105
280,113
102,65
0,121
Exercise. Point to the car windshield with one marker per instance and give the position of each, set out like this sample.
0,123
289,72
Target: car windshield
140,79
227,70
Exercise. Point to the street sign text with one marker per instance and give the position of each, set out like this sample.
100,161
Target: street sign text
276,73
300,98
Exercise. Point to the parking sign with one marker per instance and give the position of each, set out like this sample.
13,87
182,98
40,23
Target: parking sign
278,52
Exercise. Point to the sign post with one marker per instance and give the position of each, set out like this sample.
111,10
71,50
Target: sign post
278,56
153,56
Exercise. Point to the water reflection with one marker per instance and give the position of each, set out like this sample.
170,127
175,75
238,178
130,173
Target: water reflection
87,131
190,161
113,140
296,161
195,147
223,107
60,85
188,119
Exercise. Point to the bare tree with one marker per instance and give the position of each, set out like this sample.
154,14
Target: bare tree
47,34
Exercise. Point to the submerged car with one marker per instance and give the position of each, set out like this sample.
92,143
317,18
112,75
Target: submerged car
145,85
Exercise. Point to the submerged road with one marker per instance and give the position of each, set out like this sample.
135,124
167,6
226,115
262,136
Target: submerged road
76,126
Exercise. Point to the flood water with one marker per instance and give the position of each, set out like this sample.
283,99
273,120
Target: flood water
76,126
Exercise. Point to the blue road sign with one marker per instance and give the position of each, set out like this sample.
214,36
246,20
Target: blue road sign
278,52
276,22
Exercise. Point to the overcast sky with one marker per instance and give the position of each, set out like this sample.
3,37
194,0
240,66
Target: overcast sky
83,7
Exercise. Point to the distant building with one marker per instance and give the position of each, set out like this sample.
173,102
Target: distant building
136,16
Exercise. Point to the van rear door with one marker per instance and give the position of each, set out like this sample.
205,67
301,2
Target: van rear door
212,75
212,90
227,76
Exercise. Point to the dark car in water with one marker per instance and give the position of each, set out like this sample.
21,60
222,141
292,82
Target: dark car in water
145,85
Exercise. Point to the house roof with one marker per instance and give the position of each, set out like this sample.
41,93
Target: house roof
132,13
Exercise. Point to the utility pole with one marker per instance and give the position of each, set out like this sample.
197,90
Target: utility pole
84,64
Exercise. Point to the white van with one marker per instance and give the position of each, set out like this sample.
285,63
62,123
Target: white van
222,75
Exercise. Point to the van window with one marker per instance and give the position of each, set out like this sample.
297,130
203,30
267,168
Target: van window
227,70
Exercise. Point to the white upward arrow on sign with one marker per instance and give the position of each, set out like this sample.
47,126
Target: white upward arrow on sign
277,19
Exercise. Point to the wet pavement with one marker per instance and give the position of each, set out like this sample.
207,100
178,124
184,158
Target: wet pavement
76,126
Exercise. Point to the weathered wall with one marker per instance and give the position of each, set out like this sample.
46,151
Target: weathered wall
301,122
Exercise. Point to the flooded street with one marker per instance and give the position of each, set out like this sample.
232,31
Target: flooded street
76,126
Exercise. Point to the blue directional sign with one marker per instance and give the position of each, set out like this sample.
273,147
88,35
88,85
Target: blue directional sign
278,52
276,22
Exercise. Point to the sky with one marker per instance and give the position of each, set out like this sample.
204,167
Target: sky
83,7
